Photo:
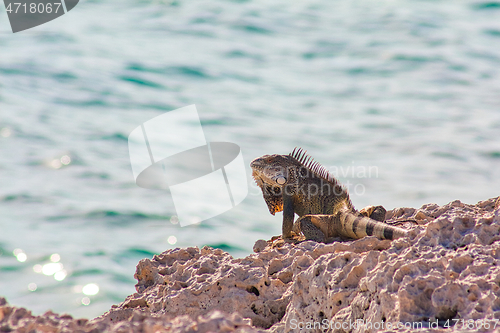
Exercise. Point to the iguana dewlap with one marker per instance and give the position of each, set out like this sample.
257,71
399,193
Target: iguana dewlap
296,184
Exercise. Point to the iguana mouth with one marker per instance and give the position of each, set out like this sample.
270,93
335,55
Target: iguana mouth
258,172
257,178
261,179
256,165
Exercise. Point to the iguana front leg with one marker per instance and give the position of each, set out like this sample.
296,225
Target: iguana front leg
288,215
314,227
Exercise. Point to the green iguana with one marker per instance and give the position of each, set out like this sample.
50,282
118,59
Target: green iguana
296,184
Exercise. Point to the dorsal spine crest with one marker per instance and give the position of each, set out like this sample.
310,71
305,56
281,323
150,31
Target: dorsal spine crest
315,167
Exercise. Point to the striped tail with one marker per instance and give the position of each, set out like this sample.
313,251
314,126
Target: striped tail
357,226
345,224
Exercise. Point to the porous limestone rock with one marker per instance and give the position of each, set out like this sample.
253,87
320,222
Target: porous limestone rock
22,321
194,282
445,272
448,268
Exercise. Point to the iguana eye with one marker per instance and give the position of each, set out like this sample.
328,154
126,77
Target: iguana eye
281,180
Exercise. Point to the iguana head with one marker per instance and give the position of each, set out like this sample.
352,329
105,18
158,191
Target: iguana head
271,170
272,173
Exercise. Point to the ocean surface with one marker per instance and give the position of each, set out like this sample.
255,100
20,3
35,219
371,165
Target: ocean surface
399,99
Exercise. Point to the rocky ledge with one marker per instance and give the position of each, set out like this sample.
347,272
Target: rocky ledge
446,273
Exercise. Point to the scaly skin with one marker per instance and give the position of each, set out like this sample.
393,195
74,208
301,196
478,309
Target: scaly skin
295,184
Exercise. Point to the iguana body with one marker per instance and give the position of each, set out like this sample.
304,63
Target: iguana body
295,184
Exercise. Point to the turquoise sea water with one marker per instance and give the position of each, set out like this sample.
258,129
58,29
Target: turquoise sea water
401,99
